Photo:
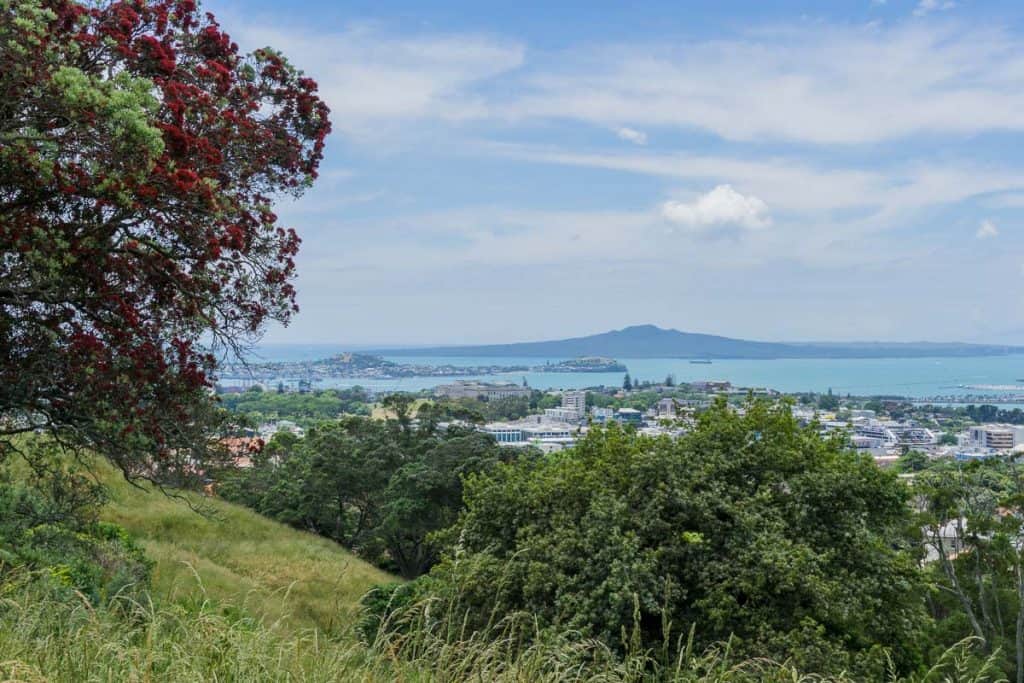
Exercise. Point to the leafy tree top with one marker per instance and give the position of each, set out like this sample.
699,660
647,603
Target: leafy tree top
140,153
748,527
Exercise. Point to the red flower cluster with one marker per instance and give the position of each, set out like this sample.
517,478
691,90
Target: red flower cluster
118,265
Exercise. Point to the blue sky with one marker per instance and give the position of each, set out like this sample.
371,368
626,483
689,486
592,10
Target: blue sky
785,170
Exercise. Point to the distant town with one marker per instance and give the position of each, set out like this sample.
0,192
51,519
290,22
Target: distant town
518,416
368,366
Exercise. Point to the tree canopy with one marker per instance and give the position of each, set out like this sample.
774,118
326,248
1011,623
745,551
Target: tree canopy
749,527
140,154
372,485
972,516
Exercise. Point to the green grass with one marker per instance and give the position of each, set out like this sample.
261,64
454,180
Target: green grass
239,598
236,557
47,639
379,412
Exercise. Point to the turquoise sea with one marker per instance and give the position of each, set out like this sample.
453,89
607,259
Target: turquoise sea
913,377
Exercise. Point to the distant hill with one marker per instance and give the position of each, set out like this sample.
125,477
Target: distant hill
649,341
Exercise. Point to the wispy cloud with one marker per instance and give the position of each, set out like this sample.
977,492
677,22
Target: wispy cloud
928,6
373,79
825,84
630,135
794,184
987,230
1012,200
819,84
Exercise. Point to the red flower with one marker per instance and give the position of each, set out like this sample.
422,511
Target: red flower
185,179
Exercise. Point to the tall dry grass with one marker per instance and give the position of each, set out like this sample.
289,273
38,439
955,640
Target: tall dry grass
48,637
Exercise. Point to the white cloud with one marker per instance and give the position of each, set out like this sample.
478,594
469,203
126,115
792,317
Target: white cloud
987,230
927,6
722,206
630,135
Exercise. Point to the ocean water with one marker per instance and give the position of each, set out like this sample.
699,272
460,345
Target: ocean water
911,377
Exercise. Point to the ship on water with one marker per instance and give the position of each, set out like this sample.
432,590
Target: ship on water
697,361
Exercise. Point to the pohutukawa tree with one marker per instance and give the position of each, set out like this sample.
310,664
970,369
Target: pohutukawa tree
140,154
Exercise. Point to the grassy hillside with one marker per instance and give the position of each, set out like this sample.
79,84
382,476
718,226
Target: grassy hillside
240,598
235,597
234,556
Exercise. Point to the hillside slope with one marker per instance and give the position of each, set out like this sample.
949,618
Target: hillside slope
236,557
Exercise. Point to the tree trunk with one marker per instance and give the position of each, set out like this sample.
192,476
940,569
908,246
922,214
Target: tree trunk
979,581
1020,621
954,583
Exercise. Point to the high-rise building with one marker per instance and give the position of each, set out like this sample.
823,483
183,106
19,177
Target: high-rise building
575,400
997,437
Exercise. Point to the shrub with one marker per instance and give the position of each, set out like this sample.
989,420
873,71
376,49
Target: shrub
748,528
49,523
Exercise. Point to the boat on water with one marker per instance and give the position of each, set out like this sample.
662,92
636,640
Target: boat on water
700,362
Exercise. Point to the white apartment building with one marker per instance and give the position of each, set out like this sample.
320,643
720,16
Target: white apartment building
667,407
567,415
914,436
527,432
996,437
880,431
892,433
484,390
575,400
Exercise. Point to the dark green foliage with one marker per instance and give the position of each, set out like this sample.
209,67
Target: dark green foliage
982,413
828,401
990,413
425,495
640,399
748,527
541,400
380,488
318,405
478,411
382,603
913,461
973,517
49,523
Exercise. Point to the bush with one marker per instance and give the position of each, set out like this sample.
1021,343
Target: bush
380,607
373,486
748,528
49,523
